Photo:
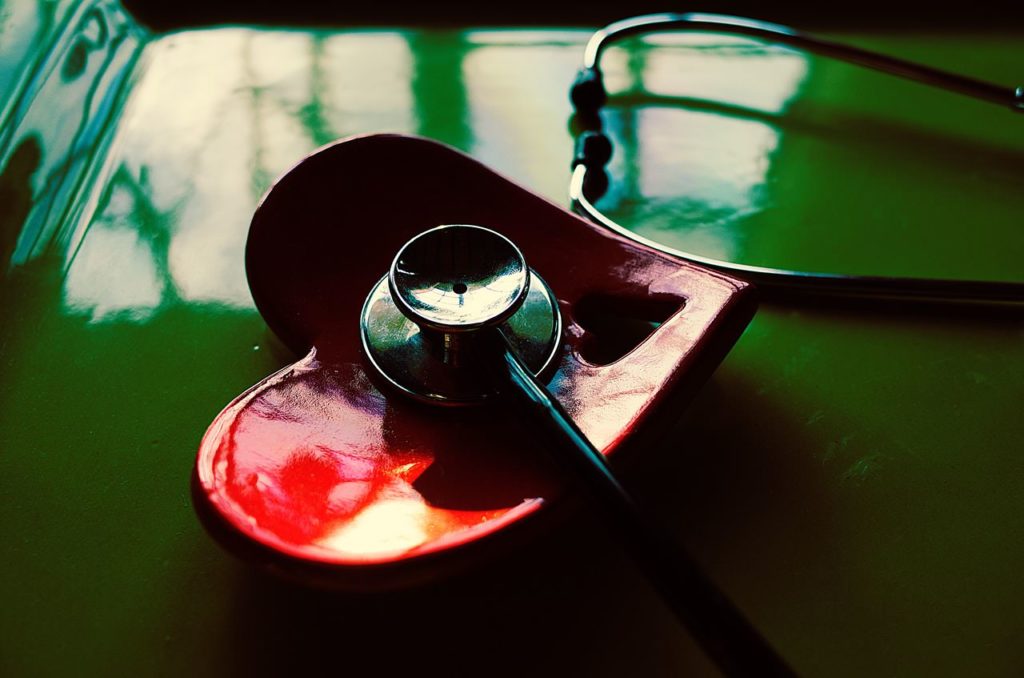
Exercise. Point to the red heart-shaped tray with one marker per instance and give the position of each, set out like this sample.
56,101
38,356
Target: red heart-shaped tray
323,473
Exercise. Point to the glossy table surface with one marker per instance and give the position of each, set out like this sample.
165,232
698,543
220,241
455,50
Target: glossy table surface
852,477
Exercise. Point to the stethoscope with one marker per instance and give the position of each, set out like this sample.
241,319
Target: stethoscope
594,149
460,318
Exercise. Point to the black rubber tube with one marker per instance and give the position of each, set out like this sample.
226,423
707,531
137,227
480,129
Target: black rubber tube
719,628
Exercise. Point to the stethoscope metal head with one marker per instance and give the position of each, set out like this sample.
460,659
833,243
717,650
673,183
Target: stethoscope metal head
429,326
458,279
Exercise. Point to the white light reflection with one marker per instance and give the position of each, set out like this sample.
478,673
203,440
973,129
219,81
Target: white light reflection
519,106
368,81
723,68
692,175
214,117
113,277
386,526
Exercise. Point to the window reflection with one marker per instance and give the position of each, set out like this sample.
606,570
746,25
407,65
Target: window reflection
724,68
367,81
114,276
214,117
516,94
686,170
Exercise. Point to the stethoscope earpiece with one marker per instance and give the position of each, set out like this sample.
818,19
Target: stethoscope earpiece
588,94
593,151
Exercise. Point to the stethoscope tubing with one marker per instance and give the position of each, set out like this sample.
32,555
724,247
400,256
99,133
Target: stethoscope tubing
718,626
785,284
778,283
721,23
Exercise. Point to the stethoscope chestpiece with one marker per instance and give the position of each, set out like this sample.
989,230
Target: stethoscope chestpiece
429,326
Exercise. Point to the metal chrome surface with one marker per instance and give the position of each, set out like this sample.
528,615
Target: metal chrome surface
420,324
459,278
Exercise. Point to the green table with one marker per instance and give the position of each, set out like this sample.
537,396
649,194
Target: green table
853,478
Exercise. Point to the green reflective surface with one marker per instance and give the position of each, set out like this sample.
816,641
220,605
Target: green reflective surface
852,478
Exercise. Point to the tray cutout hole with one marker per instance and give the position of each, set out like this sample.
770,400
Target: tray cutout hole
615,326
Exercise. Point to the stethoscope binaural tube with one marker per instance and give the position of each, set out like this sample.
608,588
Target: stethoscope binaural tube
593,150
720,629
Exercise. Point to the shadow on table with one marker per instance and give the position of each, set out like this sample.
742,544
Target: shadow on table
568,603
